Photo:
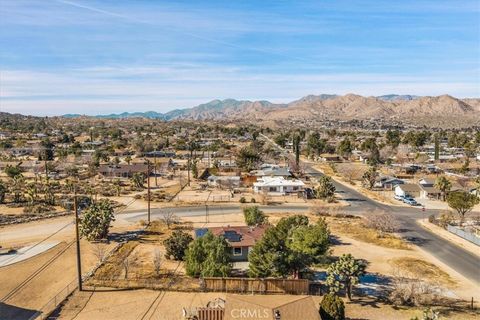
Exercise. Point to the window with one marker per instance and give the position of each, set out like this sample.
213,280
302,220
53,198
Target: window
273,189
237,251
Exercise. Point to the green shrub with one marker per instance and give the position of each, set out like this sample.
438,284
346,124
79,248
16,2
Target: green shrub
243,200
254,216
332,308
253,200
177,244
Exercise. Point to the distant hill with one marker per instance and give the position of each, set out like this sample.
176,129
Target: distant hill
440,111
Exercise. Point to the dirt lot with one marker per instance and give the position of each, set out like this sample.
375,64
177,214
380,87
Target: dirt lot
30,284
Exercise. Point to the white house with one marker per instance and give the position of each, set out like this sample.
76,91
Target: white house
408,189
278,185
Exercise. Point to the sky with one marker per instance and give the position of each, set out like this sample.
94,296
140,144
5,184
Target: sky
110,56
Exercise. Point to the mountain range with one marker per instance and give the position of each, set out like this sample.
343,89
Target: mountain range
437,111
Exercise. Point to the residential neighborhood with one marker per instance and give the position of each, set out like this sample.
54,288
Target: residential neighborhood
239,160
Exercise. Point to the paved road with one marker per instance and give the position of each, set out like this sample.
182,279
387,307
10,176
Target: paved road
452,255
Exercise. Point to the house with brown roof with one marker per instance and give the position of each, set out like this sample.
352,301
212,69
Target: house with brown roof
240,238
250,307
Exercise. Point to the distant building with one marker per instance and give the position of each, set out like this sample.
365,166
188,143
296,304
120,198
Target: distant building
160,154
121,170
278,185
224,181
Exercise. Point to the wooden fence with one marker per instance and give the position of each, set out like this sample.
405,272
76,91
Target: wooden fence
253,285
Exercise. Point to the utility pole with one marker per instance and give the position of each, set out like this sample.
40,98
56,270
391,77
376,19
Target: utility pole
45,162
155,167
148,189
207,214
79,261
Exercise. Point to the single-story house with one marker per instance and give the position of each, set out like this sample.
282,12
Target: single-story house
252,307
122,170
240,238
278,185
428,192
327,157
223,181
160,154
427,182
388,183
270,307
408,189
273,172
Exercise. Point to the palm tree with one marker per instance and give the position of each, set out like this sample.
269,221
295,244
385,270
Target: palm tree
444,185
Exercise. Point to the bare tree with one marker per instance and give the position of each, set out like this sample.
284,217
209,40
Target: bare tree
350,172
409,289
128,263
382,221
100,251
157,261
169,218
264,197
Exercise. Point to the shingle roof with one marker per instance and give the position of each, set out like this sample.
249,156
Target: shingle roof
264,307
237,236
409,187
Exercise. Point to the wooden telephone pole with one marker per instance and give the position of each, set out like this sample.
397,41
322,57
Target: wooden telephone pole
148,189
79,260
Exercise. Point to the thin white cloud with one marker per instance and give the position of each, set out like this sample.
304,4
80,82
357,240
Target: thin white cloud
168,88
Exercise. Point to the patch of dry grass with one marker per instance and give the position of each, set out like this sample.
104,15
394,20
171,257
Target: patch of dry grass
422,269
356,230
112,268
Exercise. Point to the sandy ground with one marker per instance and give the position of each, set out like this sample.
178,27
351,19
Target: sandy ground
32,283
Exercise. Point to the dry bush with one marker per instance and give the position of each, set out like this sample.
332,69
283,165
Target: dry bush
157,261
350,172
128,263
100,251
264,197
408,289
169,218
382,221
445,218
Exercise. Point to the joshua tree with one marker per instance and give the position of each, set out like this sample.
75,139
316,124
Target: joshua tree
345,273
444,185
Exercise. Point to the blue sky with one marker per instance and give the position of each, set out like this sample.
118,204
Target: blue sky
97,57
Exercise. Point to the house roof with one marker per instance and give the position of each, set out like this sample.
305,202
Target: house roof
427,181
121,168
279,172
236,236
265,306
409,187
430,190
278,181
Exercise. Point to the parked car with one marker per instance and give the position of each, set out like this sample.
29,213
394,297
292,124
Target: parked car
399,198
411,202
